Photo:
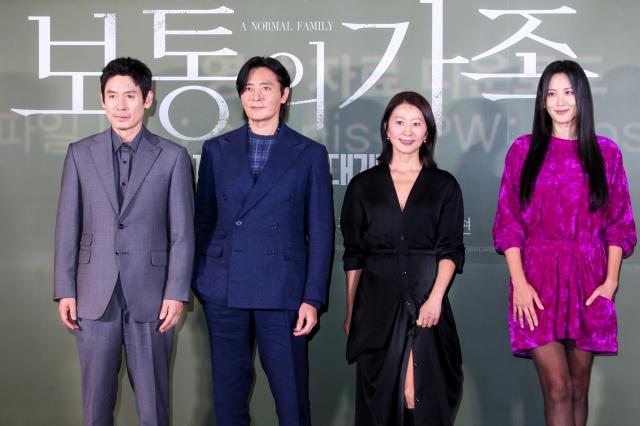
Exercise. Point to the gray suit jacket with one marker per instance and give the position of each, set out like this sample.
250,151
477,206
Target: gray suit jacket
149,241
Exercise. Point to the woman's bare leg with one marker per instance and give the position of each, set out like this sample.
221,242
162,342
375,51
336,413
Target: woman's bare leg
409,393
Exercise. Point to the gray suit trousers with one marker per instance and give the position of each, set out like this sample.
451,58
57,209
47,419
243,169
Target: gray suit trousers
148,358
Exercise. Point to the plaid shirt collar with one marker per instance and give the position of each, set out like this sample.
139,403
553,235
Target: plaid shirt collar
259,148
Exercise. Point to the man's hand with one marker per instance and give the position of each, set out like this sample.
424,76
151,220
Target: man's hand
67,311
170,313
307,319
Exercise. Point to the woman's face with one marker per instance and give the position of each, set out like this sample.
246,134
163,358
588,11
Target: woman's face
560,102
406,130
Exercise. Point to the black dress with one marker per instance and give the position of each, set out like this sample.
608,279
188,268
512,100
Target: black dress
398,252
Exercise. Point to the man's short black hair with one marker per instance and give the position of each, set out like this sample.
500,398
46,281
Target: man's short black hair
137,70
282,75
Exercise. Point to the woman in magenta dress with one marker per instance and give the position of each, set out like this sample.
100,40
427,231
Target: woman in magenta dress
564,222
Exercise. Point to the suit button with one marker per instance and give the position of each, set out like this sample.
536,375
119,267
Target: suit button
120,226
117,253
404,272
238,223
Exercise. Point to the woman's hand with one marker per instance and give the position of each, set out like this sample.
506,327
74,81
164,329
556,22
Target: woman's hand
430,310
347,324
606,290
352,278
524,299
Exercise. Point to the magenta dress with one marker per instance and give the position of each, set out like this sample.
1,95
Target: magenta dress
563,244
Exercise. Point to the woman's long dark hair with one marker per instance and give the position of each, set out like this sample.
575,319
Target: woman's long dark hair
426,149
588,149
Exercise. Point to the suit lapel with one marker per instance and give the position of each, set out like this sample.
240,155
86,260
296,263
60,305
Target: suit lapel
234,149
147,153
286,148
102,156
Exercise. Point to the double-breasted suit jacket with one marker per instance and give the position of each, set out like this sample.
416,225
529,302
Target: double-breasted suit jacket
148,241
265,244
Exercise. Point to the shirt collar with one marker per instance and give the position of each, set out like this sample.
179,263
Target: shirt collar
116,141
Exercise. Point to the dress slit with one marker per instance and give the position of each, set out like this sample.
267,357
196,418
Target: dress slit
403,371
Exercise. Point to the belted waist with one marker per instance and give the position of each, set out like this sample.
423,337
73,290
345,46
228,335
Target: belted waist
573,244
402,252
565,239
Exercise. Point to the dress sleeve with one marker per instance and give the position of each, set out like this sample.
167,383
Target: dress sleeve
620,226
352,227
508,227
449,243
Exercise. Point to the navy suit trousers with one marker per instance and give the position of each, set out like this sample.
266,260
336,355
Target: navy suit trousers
233,333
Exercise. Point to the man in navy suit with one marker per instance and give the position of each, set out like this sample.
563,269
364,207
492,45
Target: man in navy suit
264,240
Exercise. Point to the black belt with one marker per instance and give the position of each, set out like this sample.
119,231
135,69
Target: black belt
402,252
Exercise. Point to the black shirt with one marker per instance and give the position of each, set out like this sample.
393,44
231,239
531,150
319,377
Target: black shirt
123,156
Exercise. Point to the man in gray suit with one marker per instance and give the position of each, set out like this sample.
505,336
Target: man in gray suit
124,249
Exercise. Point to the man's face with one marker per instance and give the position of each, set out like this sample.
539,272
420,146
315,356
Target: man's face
263,97
124,106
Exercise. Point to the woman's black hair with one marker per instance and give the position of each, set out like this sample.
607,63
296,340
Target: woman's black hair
426,151
282,75
588,148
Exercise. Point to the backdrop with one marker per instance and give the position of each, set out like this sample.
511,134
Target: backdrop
477,60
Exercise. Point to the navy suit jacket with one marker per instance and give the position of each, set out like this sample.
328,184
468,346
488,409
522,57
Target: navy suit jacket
268,244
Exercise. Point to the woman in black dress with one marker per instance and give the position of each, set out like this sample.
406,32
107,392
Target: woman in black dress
402,226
